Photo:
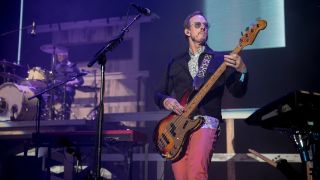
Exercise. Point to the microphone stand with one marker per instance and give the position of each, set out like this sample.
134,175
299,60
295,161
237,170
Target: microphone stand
100,57
39,96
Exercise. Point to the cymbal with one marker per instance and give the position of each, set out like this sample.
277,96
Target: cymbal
10,76
53,49
9,64
87,88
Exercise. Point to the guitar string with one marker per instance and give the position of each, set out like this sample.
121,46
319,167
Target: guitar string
220,69
165,132
178,121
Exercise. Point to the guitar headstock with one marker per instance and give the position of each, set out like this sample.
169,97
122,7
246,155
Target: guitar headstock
251,33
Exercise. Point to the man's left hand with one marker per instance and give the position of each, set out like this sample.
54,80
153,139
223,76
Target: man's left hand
235,61
73,83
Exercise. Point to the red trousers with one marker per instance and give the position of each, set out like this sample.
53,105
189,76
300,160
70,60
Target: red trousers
194,164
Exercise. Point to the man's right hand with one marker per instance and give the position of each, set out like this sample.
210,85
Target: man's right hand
173,105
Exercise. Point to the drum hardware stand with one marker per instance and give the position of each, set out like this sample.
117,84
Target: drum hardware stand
92,115
51,97
64,109
100,57
93,111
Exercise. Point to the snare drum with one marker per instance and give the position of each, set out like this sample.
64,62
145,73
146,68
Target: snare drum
15,104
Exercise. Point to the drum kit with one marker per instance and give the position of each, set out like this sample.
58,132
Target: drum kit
15,90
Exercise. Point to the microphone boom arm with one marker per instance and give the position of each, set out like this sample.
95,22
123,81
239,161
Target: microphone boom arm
110,45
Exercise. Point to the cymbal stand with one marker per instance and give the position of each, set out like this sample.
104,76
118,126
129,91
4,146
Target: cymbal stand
64,105
100,57
51,97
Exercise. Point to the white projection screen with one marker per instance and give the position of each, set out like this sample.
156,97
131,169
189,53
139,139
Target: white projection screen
228,18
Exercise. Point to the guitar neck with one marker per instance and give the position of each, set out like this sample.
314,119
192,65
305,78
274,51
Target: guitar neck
193,104
246,39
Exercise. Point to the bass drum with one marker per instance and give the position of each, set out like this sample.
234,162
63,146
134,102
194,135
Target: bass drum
14,103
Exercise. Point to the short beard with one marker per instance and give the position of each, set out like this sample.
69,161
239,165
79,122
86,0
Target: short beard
203,42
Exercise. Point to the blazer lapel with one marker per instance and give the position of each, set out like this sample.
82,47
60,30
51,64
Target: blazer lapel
184,63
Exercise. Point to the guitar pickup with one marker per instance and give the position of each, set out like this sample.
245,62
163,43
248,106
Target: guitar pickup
185,124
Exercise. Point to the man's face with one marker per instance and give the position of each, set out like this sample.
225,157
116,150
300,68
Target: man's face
198,30
61,57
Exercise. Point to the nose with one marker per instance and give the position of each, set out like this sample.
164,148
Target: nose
203,27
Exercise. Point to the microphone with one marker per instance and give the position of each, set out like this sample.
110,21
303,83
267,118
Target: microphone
144,11
33,29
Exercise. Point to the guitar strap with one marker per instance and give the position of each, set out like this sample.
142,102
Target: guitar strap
199,78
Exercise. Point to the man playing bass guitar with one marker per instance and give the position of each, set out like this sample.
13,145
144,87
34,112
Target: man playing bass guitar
188,72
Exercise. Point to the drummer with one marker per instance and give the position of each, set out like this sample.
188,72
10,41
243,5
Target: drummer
65,69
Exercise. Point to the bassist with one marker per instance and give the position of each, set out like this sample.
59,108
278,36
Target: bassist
188,72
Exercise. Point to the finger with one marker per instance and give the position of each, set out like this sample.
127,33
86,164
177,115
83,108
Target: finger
178,111
232,56
175,110
230,63
181,108
174,107
178,105
235,56
169,107
168,103
229,56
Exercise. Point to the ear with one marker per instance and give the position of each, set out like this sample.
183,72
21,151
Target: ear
187,32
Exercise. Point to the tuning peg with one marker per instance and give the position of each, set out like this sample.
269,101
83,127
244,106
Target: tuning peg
247,28
252,27
241,33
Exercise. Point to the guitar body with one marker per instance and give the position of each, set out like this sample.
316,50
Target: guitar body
172,133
